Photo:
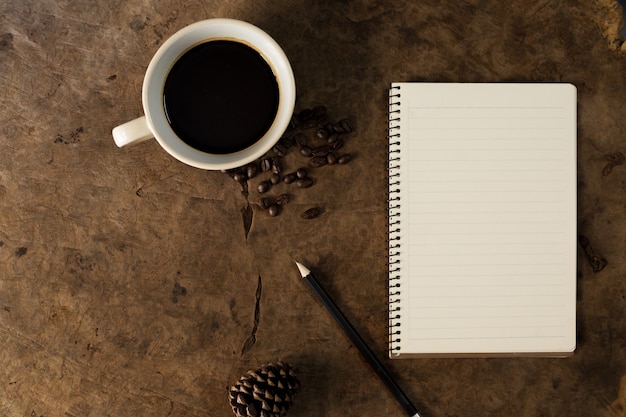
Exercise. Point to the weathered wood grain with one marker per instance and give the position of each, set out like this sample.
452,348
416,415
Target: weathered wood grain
128,283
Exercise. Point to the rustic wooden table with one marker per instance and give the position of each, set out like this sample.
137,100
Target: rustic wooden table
131,284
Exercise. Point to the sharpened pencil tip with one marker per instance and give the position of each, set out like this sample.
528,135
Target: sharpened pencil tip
304,271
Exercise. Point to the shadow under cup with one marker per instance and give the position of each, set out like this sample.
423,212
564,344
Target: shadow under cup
219,94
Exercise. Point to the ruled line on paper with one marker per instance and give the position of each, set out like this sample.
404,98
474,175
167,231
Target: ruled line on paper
530,337
487,107
542,326
489,118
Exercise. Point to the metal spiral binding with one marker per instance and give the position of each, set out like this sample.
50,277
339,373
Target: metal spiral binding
393,217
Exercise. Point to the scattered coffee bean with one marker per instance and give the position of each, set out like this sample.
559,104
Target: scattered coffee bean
273,210
289,178
276,169
279,150
282,199
597,262
266,165
309,124
345,125
318,161
264,186
275,179
311,213
240,177
323,129
336,145
322,133
286,142
305,182
344,159
337,128
300,139
320,151
306,151
265,203
252,170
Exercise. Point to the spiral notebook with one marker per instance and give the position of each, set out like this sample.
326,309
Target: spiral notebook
482,219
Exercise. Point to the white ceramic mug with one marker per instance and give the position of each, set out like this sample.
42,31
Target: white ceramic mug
154,123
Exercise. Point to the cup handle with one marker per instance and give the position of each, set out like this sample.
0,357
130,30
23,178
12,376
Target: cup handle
132,132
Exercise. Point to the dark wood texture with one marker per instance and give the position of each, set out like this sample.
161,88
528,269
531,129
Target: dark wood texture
131,284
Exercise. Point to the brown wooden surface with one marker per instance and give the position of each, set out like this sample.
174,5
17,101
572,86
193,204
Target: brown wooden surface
128,285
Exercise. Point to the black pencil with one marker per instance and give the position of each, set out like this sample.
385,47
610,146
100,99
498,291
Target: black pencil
356,339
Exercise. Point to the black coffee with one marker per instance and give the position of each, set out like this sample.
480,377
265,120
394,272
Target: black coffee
221,97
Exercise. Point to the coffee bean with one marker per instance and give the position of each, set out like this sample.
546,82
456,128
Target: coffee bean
279,150
240,177
289,178
337,127
305,182
332,138
306,151
263,187
286,142
346,125
322,133
276,168
320,151
309,124
318,161
300,139
301,173
273,210
344,159
311,213
336,145
331,158
275,179
282,199
252,170
265,203
266,165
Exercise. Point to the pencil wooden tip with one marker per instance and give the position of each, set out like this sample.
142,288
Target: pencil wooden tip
304,271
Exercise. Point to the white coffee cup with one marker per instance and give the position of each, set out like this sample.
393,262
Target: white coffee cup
154,123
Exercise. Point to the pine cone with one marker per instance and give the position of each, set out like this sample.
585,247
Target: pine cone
266,392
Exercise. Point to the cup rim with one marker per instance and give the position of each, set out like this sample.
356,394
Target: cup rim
187,38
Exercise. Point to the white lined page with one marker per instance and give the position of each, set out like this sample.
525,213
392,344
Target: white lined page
488,218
